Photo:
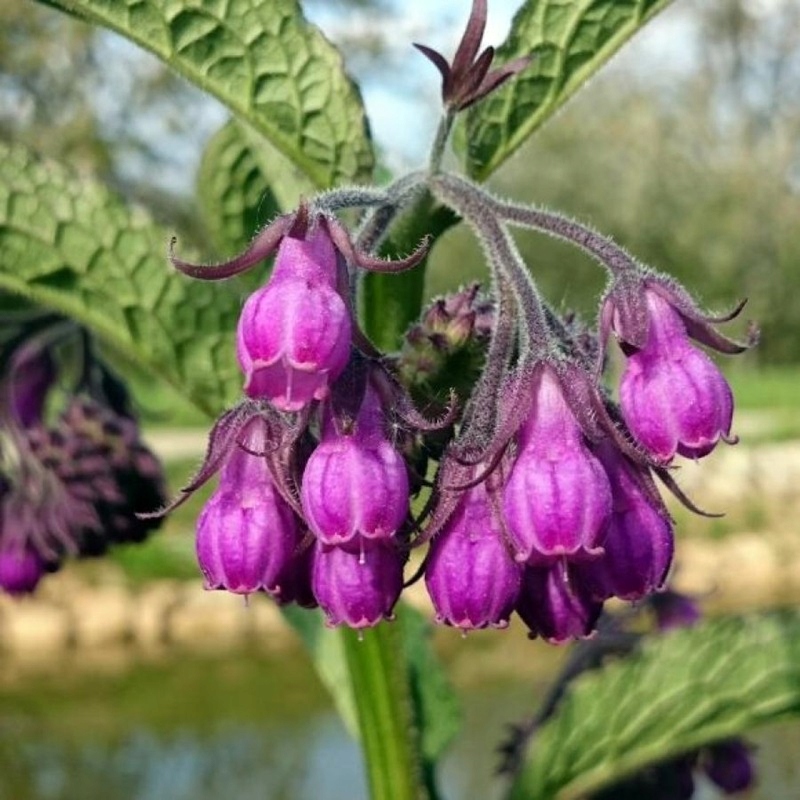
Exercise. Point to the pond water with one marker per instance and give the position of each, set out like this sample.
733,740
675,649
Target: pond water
252,726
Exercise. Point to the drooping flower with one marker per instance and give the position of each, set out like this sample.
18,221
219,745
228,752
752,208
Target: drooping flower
674,398
556,606
638,544
294,333
471,575
357,589
355,484
247,535
74,485
557,500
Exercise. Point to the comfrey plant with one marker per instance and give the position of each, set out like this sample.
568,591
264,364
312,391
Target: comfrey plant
480,447
72,477
544,499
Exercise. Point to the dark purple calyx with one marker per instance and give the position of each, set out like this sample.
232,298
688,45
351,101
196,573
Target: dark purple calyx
469,78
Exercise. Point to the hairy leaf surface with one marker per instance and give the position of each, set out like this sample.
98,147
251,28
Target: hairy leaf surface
682,691
263,61
70,245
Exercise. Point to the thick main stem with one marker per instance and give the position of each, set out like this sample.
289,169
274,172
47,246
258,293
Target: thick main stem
378,669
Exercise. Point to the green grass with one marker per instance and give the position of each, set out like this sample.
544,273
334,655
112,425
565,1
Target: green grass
766,388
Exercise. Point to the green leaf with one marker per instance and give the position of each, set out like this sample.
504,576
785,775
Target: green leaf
390,303
682,691
265,63
569,40
234,194
70,245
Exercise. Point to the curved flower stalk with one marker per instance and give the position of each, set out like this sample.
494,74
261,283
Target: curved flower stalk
653,317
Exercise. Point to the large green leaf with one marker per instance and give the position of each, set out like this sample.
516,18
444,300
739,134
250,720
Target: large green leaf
569,40
264,62
682,691
71,245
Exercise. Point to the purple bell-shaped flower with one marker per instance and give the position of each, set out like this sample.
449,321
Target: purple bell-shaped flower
294,333
557,499
674,398
639,542
471,575
555,605
247,535
357,589
355,484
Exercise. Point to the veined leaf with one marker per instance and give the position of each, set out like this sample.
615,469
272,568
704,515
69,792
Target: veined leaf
70,245
235,196
682,691
569,40
263,61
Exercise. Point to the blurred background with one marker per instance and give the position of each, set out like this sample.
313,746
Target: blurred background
686,150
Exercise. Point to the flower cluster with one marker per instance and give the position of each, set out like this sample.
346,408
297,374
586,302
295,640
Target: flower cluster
313,502
72,479
543,500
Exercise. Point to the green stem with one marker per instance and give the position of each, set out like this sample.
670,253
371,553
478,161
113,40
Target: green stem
440,142
381,688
